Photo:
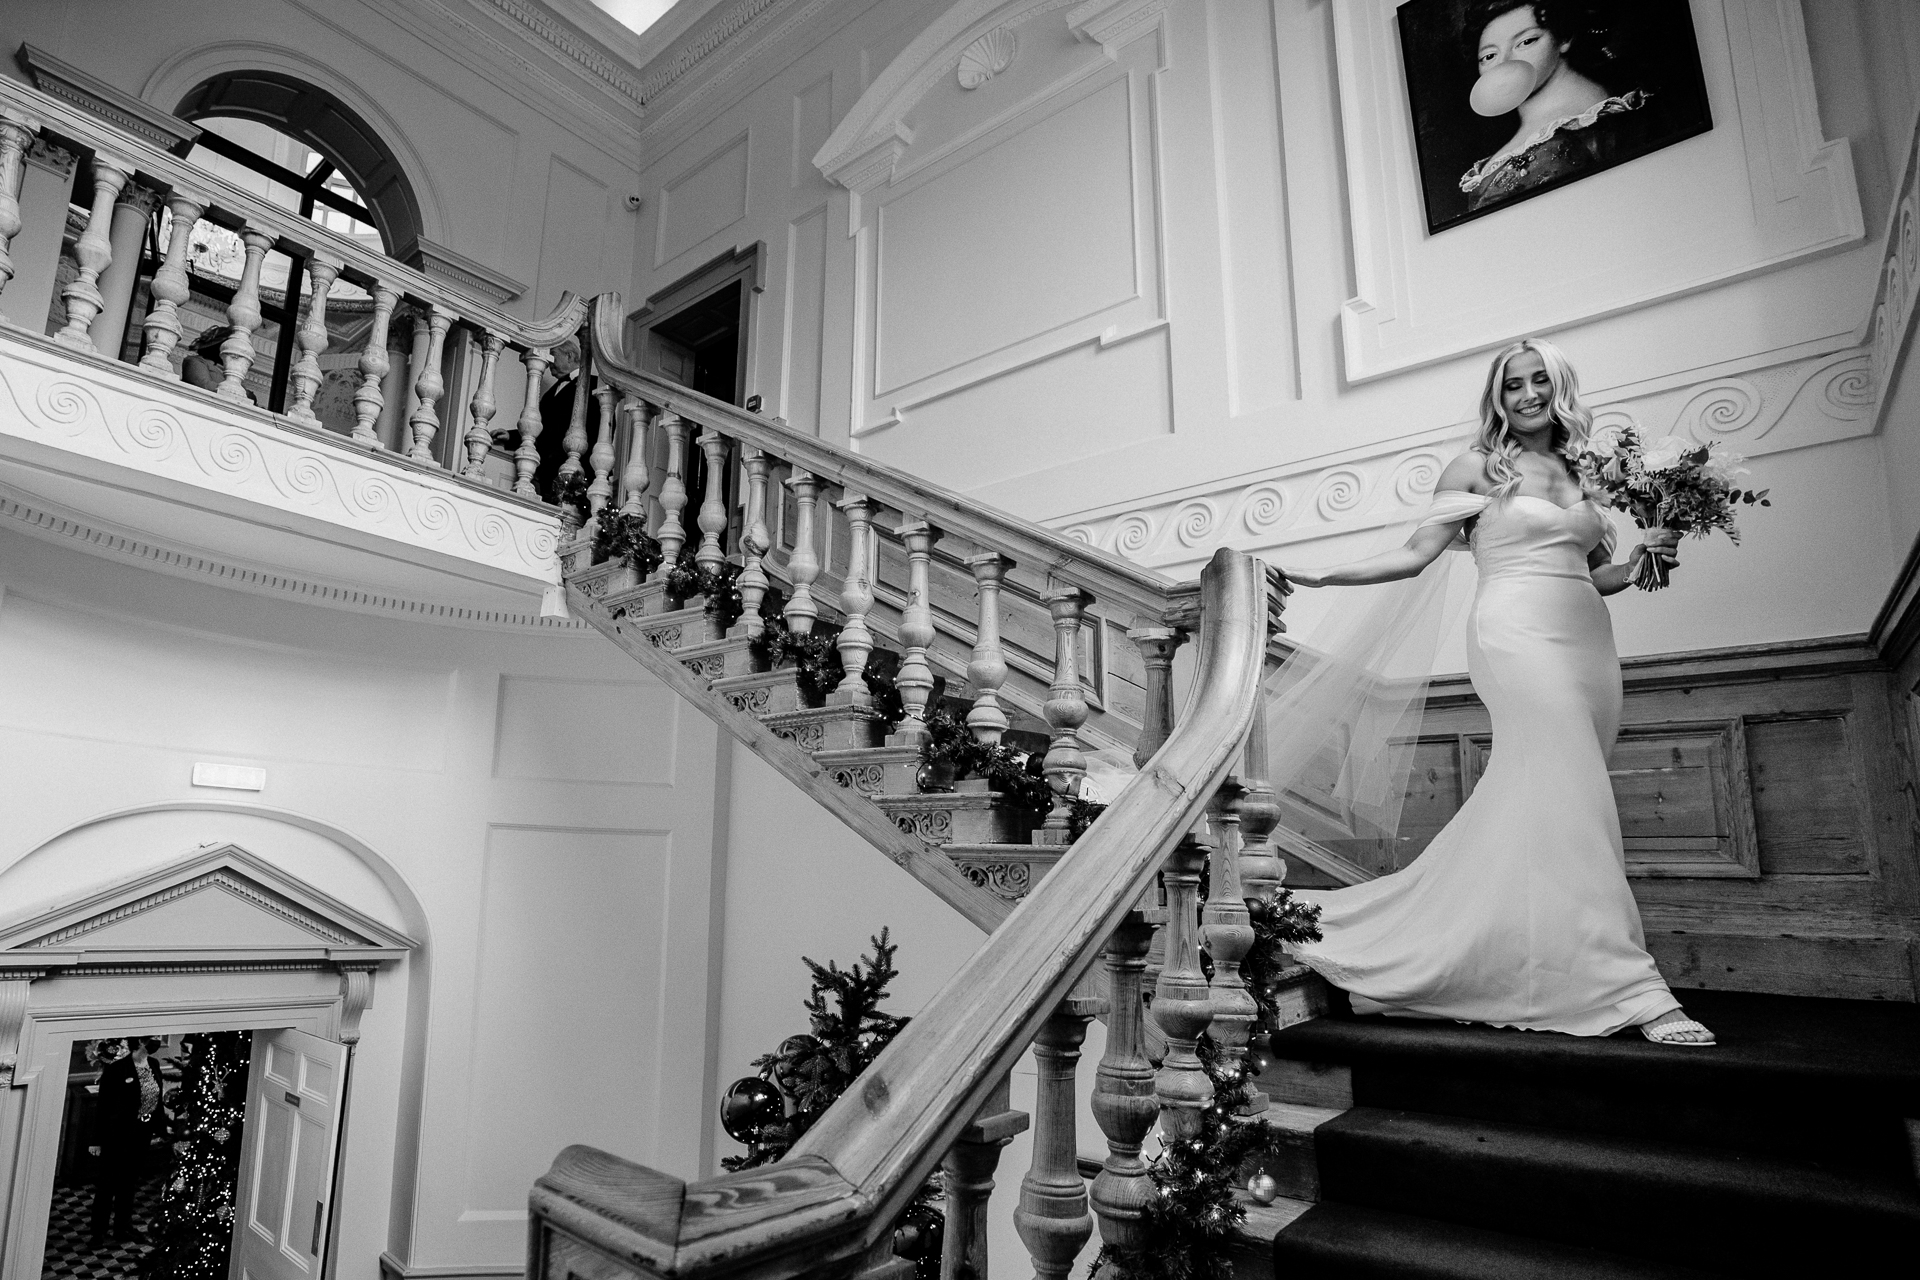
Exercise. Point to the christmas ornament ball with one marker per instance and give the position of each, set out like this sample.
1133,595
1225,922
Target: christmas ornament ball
749,1105
1263,1188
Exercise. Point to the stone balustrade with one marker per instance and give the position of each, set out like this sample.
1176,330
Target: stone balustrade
431,376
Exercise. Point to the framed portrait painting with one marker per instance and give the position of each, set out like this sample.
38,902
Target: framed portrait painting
1513,99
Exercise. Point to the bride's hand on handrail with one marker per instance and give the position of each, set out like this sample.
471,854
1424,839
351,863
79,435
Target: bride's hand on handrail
1305,577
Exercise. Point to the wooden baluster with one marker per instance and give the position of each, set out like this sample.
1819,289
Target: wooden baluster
428,385
311,337
988,669
243,313
1182,1003
1157,646
94,252
673,489
967,1174
1052,1218
636,477
169,287
16,135
712,552
754,541
915,679
856,599
1229,933
369,399
600,491
1124,1104
1066,711
803,566
526,455
575,440
1261,868
483,406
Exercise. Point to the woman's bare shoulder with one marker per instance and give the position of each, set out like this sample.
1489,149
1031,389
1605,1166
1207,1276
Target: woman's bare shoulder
1467,471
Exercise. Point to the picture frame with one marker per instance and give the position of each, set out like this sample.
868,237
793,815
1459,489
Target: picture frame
1511,100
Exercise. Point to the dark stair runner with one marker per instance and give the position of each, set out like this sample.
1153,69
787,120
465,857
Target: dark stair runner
1477,1152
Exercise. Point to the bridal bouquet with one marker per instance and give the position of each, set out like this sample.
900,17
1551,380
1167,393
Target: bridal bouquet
1672,484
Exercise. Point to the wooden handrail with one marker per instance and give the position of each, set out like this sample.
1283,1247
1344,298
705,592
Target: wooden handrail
230,204
839,1189
1112,580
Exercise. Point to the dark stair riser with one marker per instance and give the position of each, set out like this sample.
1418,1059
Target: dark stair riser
1693,1206
1826,1081
1345,1242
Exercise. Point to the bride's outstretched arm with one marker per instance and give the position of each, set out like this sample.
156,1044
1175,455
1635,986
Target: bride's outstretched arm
1422,549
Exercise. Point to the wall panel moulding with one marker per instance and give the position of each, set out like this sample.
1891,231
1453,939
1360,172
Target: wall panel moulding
1761,189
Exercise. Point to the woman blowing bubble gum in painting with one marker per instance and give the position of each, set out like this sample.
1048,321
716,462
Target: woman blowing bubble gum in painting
1569,121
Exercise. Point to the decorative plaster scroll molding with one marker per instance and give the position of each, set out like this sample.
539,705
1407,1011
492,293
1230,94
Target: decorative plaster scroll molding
13,1016
744,40
1009,880
356,997
1755,411
986,58
63,80
1889,325
1799,199
104,420
124,548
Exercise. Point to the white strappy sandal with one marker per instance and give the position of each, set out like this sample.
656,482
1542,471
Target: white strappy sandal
1670,1032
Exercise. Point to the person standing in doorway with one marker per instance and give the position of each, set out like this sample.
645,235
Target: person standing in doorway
126,1117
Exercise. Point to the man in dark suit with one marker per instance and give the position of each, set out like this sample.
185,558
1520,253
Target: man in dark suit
556,415
126,1117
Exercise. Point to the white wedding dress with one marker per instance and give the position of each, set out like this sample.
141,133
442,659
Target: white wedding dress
1518,912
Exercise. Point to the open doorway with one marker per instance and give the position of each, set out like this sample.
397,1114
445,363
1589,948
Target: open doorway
180,1151
149,1159
699,345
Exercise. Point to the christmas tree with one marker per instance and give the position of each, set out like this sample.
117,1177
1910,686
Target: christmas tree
193,1231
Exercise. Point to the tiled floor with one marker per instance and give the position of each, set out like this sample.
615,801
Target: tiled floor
69,1228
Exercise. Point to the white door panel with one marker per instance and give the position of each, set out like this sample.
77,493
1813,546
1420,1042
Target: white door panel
286,1172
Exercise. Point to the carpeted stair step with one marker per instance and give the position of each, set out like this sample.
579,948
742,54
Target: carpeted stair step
1347,1242
1831,1081
1694,1206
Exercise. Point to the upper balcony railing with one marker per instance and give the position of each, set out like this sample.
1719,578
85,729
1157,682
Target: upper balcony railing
122,171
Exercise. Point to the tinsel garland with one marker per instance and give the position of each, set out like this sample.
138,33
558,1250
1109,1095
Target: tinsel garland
688,578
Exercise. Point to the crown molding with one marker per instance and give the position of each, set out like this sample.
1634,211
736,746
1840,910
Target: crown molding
44,522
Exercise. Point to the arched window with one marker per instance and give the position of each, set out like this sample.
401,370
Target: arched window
297,146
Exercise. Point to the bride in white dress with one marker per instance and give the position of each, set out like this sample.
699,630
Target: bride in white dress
1518,913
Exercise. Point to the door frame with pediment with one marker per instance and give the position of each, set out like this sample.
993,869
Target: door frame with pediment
111,965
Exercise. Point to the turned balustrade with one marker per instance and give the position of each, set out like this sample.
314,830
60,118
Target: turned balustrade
449,428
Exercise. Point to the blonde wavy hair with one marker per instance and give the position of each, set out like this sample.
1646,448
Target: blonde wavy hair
1572,421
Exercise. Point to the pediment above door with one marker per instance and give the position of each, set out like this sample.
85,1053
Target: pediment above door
216,906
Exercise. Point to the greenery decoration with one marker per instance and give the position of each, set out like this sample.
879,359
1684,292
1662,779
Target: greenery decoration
622,537
193,1229
1191,1225
721,587
573,495
1015,773
848,1031
816,659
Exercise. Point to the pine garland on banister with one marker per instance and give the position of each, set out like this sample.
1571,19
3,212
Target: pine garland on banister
1190,1226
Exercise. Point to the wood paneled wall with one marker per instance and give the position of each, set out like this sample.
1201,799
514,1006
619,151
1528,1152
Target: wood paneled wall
1766,806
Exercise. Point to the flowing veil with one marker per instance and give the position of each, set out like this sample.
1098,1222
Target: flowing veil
1344,707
